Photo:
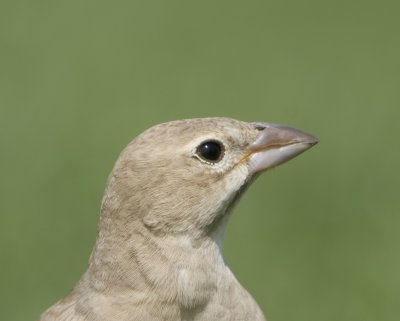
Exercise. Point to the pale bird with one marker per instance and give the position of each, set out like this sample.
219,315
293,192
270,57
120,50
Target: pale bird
157,254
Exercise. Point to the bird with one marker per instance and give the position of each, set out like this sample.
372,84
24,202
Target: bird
158,251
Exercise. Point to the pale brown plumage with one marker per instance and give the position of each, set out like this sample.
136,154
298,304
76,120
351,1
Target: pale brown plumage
158,250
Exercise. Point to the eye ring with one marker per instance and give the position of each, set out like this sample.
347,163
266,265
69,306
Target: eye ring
211,151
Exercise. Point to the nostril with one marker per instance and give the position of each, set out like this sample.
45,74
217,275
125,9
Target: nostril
259,126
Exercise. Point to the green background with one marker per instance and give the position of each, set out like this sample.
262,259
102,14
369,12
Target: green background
316,239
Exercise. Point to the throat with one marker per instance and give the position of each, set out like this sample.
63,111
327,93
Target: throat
184,270
169,268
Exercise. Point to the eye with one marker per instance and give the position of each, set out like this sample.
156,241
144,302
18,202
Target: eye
210,151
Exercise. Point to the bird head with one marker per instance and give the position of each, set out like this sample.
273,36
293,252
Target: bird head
185,176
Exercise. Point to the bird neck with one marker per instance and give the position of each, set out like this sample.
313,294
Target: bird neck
173,268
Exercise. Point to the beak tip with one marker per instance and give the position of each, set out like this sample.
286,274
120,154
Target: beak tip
313,140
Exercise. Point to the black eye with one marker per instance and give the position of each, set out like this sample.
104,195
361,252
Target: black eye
211,151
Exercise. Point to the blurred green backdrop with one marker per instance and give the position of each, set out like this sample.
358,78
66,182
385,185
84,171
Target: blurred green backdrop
316,239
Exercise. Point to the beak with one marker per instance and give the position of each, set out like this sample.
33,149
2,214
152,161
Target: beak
275,145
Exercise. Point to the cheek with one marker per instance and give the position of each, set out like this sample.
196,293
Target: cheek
194,202
235,179
217,195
